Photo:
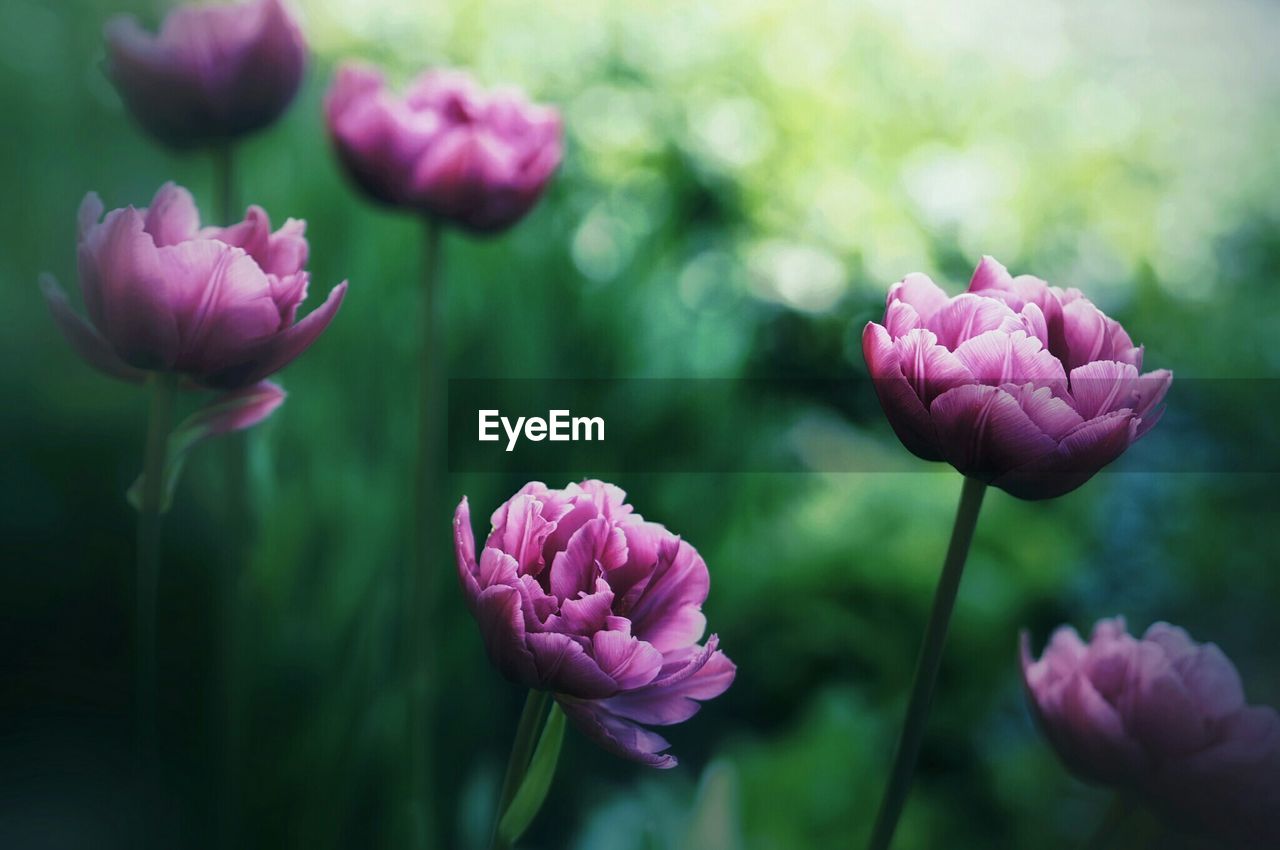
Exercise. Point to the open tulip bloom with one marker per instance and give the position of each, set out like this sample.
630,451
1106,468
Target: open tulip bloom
1017,384
1164,720
181,306
582,601
445,149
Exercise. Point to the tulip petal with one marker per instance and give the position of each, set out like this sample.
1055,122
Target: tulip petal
667,612
464,547
666,704
1000,357
592,546
172,216
1078,457
985,432
280,349
618,736
921,293
907,415
929,368
1103,386
498,611
126,293
564,666
84,337
631,662
1149,392
967,316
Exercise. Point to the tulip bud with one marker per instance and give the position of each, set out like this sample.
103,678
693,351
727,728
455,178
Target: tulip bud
217,305
445,149
1163,717
578,595
212,74
1019,384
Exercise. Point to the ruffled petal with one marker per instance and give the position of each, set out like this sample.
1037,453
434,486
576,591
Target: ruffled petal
668,614
618,736
565,667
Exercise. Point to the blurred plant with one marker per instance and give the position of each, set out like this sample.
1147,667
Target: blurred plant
1164,720
213,74
585,603
1017,384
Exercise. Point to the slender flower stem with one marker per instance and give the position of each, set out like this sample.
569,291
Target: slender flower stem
159,423
427,521
530,725
930,659
241,520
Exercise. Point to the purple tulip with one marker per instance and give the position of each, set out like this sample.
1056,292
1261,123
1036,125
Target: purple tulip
217,305
445,149
1014,382
213,73
1163,717
577,595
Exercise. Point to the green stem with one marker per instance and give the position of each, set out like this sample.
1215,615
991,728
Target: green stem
427,520
930,659
224,182
159,423
527,731
242,521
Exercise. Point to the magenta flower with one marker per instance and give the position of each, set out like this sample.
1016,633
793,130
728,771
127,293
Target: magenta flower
577,595
1014,382
213,73
217,305
1166,718
446,149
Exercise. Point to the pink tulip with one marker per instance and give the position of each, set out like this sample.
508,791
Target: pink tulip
1014,382
578,595
213,73
217,305
1163,717
446,149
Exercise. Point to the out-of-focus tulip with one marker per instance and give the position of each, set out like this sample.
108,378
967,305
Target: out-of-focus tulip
577,595
212,74
445,149
216,305
1015,382
1163,717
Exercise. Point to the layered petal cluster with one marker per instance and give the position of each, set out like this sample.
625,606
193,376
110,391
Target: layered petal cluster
213,73
1165,717
216,305
578,595
1023,385
445,148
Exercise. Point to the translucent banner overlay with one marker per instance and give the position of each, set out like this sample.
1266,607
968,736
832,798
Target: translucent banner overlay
610,426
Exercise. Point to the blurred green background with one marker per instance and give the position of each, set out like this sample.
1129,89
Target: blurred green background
743,181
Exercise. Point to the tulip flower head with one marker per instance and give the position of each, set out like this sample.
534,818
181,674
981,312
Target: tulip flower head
1166,718
212,74
576,594
215,305
1020,384
445,149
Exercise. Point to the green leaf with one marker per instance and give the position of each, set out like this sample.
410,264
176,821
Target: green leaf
537,781
230,412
